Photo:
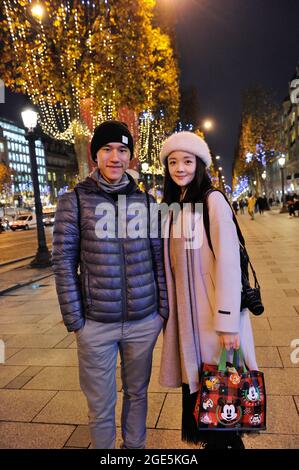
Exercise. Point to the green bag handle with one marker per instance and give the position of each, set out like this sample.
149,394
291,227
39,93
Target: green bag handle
238,355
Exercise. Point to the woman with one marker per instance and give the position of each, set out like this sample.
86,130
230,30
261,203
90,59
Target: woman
251,206
204,290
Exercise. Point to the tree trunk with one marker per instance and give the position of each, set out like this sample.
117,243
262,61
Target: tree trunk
81,149
258,182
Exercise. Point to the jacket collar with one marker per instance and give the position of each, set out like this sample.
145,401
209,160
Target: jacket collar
90,185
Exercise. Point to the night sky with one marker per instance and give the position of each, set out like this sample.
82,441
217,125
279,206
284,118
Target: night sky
225,46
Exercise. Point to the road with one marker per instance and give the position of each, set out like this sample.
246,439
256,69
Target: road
21,243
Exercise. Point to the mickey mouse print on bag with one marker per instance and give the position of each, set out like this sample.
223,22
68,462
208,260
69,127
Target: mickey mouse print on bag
230,397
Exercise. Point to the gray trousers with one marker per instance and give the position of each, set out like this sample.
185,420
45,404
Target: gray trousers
98,345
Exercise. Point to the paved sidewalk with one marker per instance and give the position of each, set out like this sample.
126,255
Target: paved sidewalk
41,405
19,275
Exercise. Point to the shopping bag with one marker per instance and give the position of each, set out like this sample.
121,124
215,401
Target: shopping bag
230,397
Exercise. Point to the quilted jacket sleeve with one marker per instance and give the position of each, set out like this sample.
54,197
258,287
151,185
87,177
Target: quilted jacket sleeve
65,260
158,264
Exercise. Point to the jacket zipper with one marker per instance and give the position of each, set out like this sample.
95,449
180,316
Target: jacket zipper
124,296
123,270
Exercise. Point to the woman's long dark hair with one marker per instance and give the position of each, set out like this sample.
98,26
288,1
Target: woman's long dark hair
195,189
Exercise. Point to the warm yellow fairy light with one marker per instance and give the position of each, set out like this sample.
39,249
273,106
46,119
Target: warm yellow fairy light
37,10
62,120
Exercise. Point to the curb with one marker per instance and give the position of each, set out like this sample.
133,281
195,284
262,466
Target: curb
23,284
15,261
12,261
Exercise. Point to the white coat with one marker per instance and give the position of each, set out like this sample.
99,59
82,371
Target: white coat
217,287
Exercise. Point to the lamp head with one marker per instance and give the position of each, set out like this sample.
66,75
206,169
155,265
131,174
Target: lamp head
282,161
29,117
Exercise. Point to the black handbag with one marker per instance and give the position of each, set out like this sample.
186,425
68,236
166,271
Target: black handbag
250,296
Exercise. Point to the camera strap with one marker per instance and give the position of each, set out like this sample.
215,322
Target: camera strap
206,221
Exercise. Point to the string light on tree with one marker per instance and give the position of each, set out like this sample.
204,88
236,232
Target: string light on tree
68,58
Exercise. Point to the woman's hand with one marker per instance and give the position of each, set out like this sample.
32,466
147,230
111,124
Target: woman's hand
229,341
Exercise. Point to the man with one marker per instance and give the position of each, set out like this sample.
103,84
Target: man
119,299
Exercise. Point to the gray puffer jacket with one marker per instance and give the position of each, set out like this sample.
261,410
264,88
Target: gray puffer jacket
119,278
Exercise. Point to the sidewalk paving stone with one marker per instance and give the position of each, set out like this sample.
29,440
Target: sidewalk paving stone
18,383
80,437
9,373
260,323
31,371
282,416
170,418
285,354
282,381
55,378
44,357
66,342
60,378
65,408
285,323
268,356
273,337
9,352
22,405
272,441
33,436
21,329
167,439
21,319
279,310
57,329
35,341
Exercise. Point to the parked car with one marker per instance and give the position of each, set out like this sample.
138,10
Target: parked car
24,222
48,216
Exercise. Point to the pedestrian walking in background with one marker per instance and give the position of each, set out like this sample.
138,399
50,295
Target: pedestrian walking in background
235,207
266,204
260,205
204,290
242,204
251,206
118,301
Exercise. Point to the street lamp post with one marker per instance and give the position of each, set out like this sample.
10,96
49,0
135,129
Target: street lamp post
264,177
42,258
281,162
220,179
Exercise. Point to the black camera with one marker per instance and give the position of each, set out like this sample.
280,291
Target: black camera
251,299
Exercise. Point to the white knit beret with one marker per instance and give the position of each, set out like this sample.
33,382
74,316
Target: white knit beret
186,142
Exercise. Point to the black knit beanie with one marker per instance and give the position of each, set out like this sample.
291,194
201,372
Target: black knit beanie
111,131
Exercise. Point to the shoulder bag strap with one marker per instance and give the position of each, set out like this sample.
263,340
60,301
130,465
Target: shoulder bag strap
148,213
